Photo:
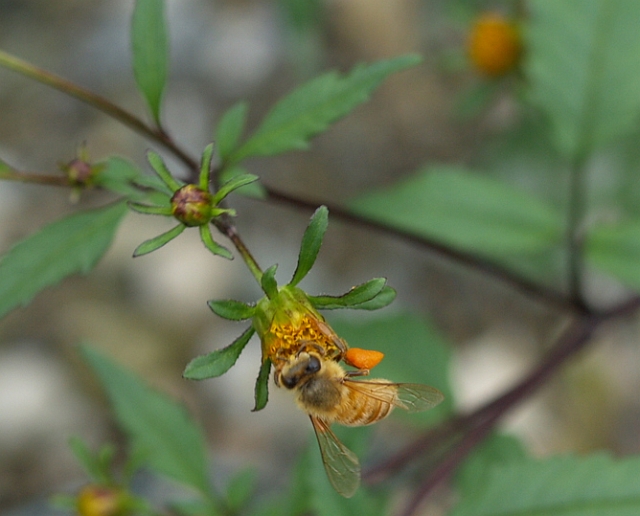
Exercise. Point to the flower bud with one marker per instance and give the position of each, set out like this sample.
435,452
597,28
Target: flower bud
191,205
288,321
79,172
98,500
494,45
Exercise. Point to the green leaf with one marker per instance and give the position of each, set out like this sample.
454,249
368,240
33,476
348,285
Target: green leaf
414,353
254,189
311,108
219,361
262,386
205,167
615,249
583,69
212,245
161,427
384,298
498,450
163,172
311,243
467,211
232,309
233,184
240,488
154,243
356,296
268,282
596,485
68,246
146,209
120,176
150,47
91,464
230,129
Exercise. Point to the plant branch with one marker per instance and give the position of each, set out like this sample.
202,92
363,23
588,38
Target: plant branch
544,294
100,103
474,427
229,230
29,177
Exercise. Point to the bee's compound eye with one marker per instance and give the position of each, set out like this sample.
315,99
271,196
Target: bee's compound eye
314,365
288,381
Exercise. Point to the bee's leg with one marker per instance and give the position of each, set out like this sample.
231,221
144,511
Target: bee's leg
306,344
341,345
357,372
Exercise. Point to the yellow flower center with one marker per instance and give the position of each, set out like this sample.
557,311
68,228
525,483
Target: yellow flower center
285,340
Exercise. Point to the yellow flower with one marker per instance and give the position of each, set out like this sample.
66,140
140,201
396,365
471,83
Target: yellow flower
98,500
288,321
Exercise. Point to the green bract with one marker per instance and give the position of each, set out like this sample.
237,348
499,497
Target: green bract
287,306
190,204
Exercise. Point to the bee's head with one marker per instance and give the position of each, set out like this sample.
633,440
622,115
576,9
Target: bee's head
299,369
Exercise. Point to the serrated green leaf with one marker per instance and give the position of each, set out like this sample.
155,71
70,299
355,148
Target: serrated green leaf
150,45
615,249
212,245
414,353
254,189
219,361
467,211
154,243
68,246
596,485
583,69
156,424
268,282
233,184
232,309
311,108
356,296
311,243
230,129
262,386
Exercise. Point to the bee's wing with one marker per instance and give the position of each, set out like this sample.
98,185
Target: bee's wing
340,463
413,397
416,397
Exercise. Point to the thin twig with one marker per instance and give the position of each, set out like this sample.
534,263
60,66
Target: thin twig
100,103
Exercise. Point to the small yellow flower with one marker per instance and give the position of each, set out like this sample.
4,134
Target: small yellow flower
494,45
98,500
288,321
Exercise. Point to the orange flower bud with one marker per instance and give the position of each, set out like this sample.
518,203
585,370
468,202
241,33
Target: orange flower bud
363,358
494,45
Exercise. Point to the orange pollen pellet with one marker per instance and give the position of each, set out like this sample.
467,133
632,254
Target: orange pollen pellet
363,358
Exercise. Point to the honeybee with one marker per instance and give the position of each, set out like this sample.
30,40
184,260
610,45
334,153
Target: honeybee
329,394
